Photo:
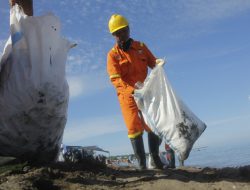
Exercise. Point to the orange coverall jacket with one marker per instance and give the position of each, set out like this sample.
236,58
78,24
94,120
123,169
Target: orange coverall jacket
125,68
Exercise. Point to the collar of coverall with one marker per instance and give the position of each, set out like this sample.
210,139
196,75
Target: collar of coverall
127,45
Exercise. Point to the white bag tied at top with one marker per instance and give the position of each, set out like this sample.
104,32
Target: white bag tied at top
167,115
34,92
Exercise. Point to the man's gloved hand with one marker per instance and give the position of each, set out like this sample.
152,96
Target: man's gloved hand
160,62
12,2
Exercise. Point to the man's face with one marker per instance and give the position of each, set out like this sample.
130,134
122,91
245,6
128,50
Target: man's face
122,35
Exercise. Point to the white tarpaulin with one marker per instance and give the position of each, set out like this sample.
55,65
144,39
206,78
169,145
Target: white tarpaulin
167,115
33,89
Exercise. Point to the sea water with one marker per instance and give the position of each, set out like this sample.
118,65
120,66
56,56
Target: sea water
231,155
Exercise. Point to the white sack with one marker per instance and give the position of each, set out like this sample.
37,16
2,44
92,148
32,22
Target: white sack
33,89
167,115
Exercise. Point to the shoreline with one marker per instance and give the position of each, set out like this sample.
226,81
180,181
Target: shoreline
69,176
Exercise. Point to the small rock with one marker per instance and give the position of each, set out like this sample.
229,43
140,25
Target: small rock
113,177
26,169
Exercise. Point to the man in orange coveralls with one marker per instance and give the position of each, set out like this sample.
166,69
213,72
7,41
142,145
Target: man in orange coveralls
27,5
127,64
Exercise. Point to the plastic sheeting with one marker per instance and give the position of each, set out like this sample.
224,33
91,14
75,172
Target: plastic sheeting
167,115
33,89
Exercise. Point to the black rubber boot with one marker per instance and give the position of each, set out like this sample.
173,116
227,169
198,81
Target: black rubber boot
138,147
153,144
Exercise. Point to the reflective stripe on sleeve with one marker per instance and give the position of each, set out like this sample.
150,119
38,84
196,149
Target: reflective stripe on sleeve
114,50
115,76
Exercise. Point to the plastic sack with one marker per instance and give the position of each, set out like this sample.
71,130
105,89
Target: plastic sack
150,163
34,92
167,115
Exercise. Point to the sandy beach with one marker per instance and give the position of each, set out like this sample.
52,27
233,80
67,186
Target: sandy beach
68,176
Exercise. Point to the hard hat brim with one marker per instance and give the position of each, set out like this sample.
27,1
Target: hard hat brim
113,31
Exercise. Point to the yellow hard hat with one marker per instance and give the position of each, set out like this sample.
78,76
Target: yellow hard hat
117,22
